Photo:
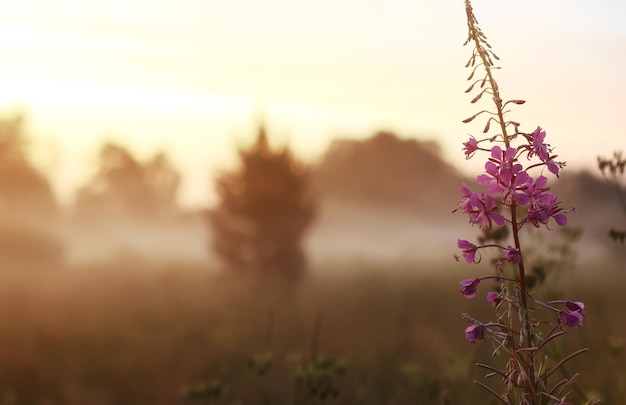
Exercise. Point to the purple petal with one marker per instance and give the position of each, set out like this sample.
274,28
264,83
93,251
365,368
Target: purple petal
571,319
496,152
495,189
470,287
576,306
474,333
560,219
484,179
498,219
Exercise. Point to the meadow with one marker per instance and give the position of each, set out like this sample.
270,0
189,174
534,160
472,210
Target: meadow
127,331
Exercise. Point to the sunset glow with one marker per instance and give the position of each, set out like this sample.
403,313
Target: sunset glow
194,77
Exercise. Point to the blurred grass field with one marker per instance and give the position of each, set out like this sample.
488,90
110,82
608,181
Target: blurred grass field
131,332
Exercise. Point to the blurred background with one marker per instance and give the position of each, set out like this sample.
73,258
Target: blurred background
199,198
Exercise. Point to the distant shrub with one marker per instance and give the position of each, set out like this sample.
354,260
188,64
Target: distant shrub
263,212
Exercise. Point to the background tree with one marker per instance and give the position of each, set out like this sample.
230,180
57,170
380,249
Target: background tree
388,172
28,207
263,212
24,191
126,188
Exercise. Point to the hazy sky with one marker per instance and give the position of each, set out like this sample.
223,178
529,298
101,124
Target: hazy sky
193,76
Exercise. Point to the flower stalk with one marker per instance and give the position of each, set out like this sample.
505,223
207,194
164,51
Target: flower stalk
516,193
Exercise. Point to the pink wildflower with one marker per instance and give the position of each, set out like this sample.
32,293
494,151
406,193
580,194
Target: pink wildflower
469,287
494,298
470,147
473,333
469,251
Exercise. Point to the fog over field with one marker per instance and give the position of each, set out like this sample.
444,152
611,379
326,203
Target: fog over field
122,297
383,199
254,203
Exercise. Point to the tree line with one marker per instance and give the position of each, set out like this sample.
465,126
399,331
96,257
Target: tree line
265,205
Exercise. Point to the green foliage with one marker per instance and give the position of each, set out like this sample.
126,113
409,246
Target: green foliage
316,379
261,364
212,391
264,209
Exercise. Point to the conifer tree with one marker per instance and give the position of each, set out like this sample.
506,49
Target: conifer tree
263,212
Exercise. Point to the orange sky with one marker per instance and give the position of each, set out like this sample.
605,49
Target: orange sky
193,76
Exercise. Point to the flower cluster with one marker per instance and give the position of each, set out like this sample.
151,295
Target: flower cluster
510,184
514,192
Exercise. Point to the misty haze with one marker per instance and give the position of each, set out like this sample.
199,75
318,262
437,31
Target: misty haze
355,235
272,203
